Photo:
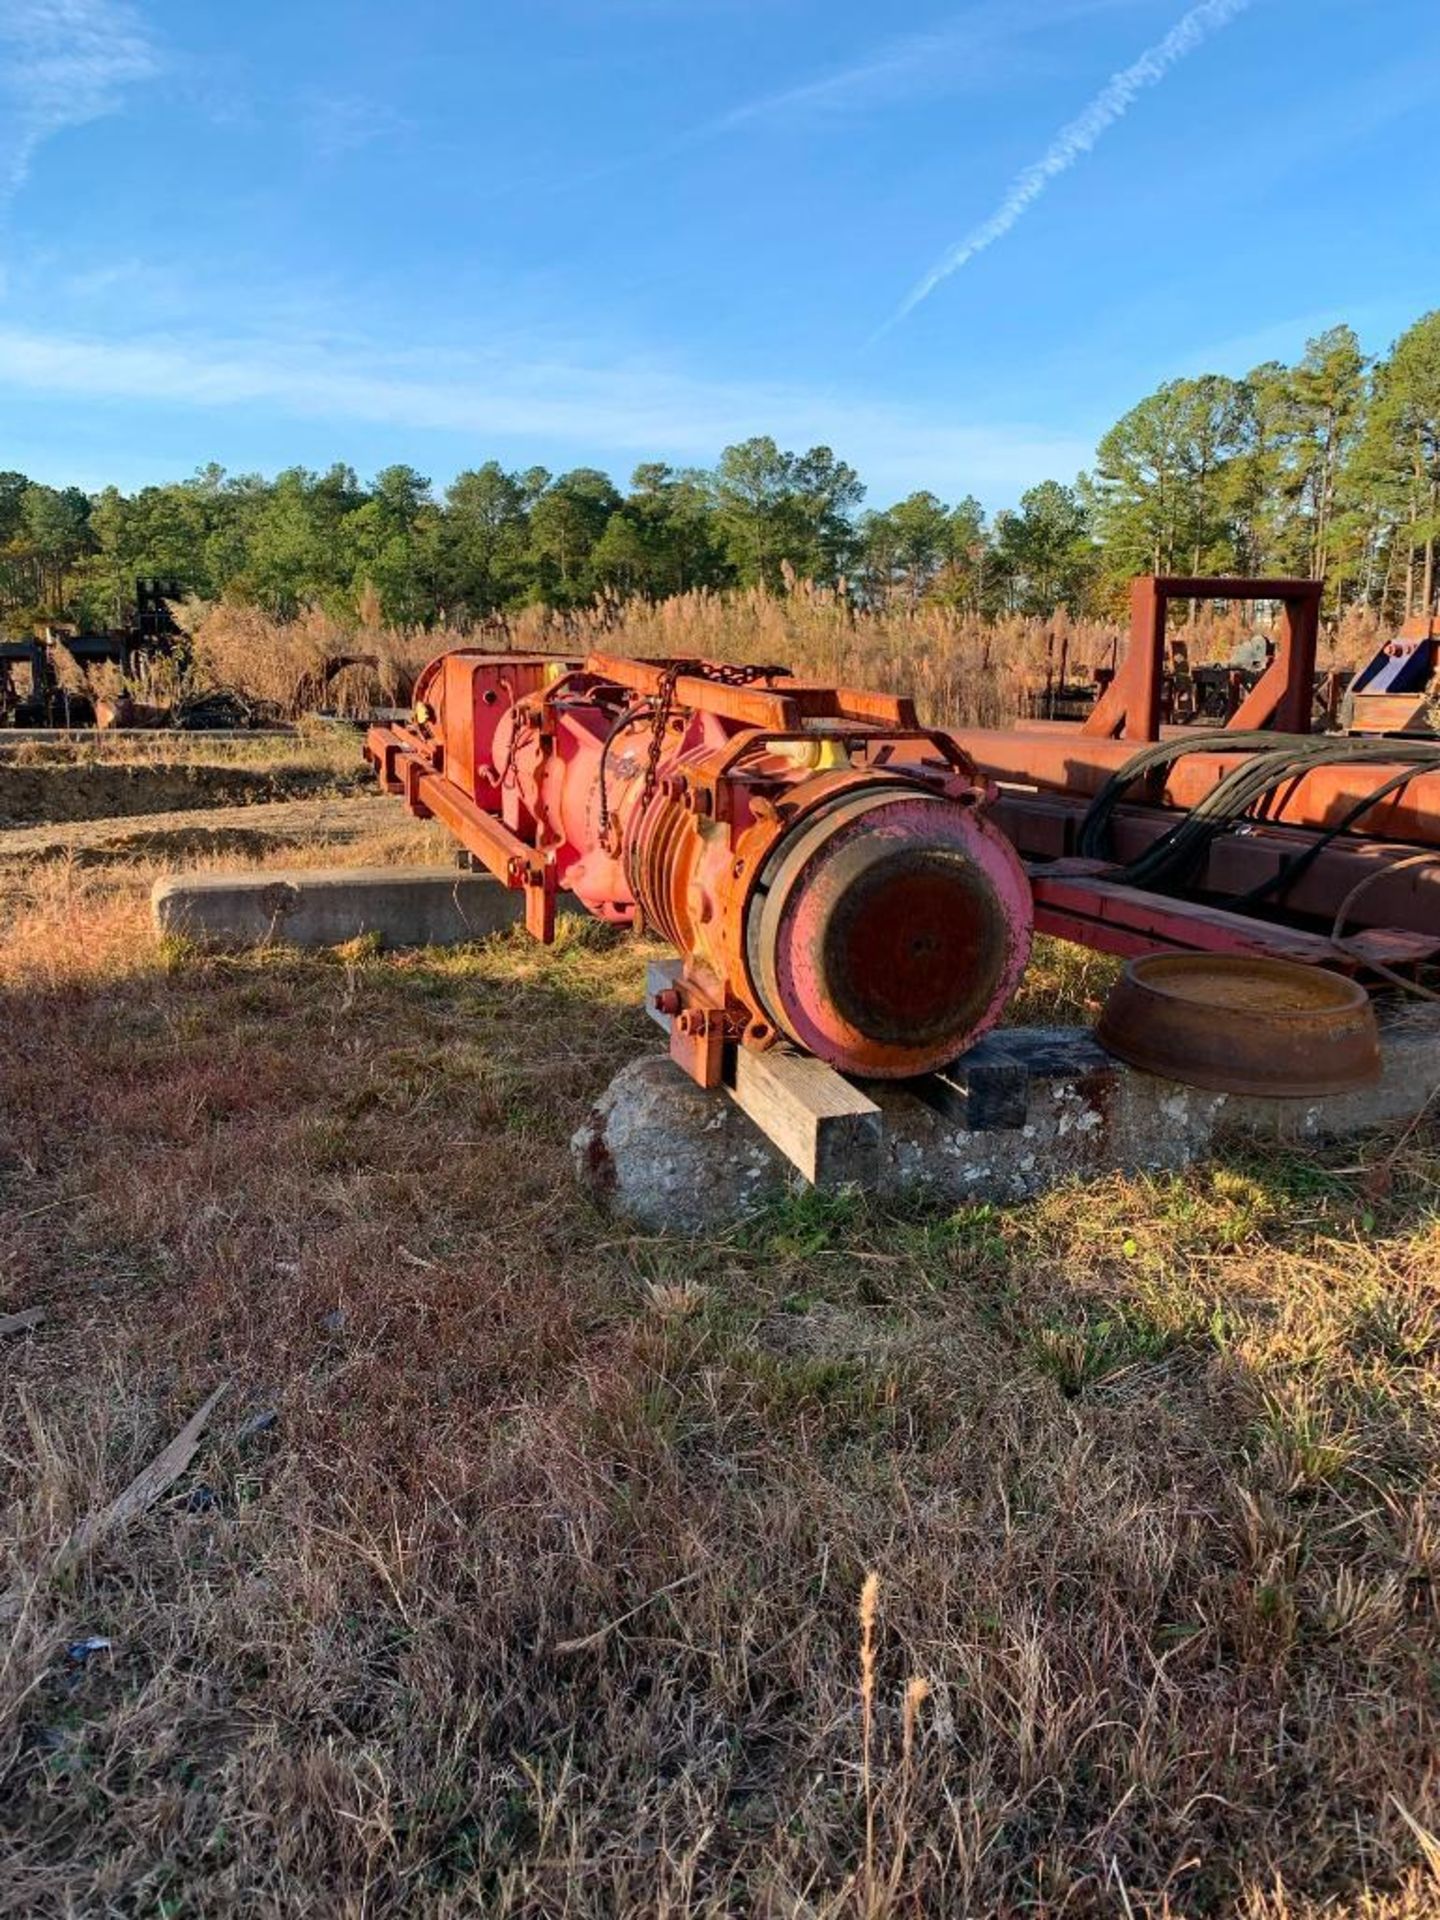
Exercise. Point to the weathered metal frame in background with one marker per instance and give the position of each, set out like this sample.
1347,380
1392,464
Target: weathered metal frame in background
1086,902
1129,708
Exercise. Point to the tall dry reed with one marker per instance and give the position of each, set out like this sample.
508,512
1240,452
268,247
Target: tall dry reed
290,664
961,668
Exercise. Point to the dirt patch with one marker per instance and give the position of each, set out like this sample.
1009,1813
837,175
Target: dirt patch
331,820
180,844
93,792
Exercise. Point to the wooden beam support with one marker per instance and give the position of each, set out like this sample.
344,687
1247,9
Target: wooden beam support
829,1130
823,1125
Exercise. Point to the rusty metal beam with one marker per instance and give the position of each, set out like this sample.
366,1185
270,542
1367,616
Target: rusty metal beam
1107,915
1130,705
1284,695
406,764
1046,827
749,706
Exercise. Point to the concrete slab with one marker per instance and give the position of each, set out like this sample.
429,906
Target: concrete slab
326,906
663,1153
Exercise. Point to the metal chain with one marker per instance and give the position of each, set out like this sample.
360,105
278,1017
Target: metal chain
724,676
664,701
507,775
728,676
661,707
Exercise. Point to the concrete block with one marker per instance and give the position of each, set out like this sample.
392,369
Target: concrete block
326,906
666,1154
663,1153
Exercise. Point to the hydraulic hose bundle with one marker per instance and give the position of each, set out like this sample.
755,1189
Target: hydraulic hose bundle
1274,762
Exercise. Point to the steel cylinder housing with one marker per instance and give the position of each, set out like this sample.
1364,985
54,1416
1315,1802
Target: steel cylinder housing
820,862
888,930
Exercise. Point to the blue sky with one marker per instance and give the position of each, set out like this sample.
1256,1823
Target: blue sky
594,231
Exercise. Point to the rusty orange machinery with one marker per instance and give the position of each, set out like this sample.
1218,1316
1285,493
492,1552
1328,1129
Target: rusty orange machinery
1345,827
823,865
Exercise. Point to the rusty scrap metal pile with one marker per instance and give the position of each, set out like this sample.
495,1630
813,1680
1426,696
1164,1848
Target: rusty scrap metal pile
835,876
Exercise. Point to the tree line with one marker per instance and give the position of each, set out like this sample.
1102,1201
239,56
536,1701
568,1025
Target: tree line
1327,467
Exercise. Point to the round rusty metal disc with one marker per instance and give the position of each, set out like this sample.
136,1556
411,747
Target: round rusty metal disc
1236,1023
892,930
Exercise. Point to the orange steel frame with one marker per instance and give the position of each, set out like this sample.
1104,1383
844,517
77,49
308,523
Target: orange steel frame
1129,708
1078,900
1049,771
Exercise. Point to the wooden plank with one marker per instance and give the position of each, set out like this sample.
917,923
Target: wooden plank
827,1129
989,1089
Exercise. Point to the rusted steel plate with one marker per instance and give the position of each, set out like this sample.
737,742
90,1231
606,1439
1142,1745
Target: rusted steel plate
895,920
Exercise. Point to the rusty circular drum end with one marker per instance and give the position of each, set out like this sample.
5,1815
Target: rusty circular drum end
892,931
1237,1023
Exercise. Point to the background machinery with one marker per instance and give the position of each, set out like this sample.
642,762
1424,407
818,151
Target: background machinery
1397,690
37,691
1258,837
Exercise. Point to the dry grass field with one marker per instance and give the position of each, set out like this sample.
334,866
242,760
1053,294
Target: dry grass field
1077,1558
961,668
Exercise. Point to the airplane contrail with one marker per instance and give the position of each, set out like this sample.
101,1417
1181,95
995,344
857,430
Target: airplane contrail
1077,138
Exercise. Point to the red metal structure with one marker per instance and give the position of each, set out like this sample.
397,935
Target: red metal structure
1130,705
822,863
1280,830
835,875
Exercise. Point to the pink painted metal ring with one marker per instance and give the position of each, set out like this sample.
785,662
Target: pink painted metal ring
893,931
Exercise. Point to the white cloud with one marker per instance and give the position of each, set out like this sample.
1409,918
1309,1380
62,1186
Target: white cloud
63,63
629,407
338,124
948,59
1077,138
893,71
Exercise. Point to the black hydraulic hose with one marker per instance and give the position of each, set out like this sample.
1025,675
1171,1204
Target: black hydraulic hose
1093,840
1171,860
1295,868
626,719
1275,759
